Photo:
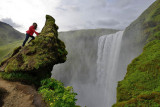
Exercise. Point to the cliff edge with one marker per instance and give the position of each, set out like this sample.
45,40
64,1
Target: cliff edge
140,86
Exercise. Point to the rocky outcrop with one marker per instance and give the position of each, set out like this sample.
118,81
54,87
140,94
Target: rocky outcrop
38,57
140,86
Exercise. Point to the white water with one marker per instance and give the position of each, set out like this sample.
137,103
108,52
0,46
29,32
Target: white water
108,55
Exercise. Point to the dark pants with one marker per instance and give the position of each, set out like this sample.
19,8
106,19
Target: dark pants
27,37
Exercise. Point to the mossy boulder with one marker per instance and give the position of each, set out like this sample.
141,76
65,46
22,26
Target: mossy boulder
141,84
39,56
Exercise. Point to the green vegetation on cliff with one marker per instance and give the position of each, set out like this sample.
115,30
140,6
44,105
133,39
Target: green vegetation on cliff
141,85
56,95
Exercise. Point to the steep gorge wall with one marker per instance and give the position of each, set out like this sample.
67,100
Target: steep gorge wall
133,41
140,86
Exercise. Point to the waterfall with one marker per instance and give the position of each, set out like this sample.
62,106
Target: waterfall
87,73
108,55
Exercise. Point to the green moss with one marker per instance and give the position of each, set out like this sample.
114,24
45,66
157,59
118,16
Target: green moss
50,19
144,100
22,77
13,66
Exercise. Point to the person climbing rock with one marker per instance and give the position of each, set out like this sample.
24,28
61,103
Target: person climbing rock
29,33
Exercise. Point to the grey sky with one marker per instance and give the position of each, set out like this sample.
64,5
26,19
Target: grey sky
116,14
10,22
73,14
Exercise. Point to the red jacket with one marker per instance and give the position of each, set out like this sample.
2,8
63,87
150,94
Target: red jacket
31,31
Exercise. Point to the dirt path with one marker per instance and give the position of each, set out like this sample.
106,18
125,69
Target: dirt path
19,95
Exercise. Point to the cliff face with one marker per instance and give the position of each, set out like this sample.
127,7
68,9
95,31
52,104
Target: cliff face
140,86
38,58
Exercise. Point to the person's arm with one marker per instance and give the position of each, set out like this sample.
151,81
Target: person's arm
35,31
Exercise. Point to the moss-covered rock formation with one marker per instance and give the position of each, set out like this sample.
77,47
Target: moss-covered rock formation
37,58
141,85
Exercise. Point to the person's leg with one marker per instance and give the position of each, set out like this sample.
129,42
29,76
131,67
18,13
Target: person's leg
31,39
27,36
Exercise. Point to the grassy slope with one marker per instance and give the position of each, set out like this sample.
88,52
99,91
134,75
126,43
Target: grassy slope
8,34
141,85
9,39
8,48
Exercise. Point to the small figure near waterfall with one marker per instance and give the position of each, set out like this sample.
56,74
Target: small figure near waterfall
29,33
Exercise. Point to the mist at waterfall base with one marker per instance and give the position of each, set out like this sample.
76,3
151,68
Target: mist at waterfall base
93,74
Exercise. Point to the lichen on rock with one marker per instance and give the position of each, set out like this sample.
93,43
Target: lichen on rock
39,56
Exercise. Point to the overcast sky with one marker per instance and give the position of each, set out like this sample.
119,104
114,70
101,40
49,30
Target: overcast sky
72,14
